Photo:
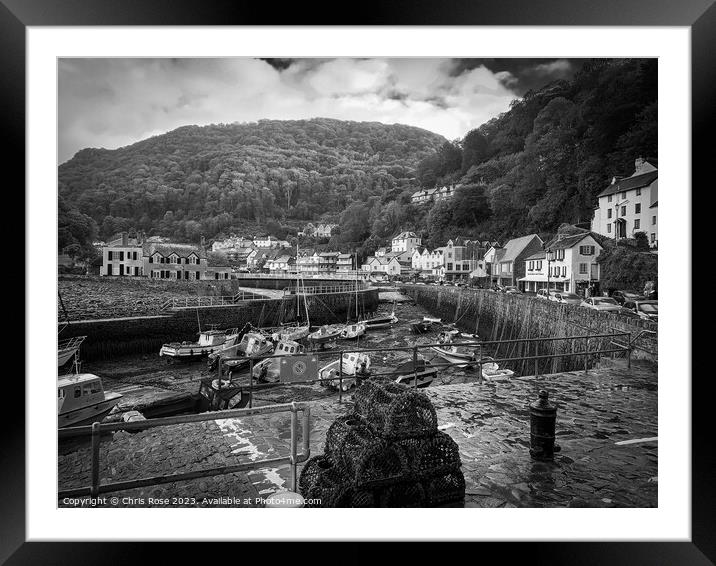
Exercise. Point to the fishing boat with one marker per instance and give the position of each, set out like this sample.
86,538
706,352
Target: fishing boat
326,333
380,321
453,352
66,349
81,400
450,332
351,363
422,371
269,370
352,331
425,325
291,332
210,341
492,372
252,344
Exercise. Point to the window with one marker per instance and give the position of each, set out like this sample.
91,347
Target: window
539,264
582,268
609,198
637,208
623,210
586,250
78,392
151,260
86,389
564,271
531,266
94,387
121,256
637,224
653,238
560,254
109,256
609,228
623,195
653,220
609,212
638,192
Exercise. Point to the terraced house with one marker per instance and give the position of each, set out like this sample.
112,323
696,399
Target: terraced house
123,255
174,261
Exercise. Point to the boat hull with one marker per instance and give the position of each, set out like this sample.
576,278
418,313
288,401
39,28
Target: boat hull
424,378
63,356
462,360
89,414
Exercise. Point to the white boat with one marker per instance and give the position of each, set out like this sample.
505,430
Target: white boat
492,372
210,341
352,331
455,353
380,321
326,333
252,344
291,332
351,364
81,400
423,372
66,349
269,370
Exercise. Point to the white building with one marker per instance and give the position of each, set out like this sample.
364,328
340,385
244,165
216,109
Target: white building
405,242
123,255
389,266
308,261
568,263
281,264
630,205
270,242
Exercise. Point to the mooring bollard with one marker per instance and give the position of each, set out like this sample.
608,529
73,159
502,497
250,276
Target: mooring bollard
543,417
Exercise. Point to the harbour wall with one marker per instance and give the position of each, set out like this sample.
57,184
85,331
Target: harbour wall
500,316
281,283
107,338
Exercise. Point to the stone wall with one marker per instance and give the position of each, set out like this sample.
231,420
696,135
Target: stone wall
500,316
145,335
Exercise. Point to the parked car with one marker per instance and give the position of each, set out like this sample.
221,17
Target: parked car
511,289
567,298
621,296
546,295
648,310
602,304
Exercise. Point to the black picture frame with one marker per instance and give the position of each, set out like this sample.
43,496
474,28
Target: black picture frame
699,15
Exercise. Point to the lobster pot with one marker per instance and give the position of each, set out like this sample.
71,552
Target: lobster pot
405,494
396,411
381,464
430,457
444,489
352,497
321,483
348,434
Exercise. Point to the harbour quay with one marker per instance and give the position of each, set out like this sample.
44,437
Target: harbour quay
606,427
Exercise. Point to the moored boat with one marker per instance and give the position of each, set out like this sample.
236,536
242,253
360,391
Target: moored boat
352,331
291,332
269,370
81,400
492,372
422,371
210,341
350,364
326,333
66,349
380,321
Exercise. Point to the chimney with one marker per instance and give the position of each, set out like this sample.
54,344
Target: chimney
125,239
638,164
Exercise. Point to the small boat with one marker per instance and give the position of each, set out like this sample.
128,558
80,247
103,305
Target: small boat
351,363
291,332
426,325
326,334
66,349
210,341
450,333
462,356
380,321
269,370
491,371
81,400
252,344
352,331
423,370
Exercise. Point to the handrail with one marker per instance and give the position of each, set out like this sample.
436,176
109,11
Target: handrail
96,429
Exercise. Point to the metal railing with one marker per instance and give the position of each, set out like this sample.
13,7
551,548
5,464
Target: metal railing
328,274
210,300
323,289
96,429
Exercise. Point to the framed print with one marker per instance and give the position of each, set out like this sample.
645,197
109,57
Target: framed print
403,270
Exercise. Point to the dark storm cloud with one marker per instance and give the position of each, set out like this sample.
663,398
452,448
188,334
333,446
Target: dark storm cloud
522,75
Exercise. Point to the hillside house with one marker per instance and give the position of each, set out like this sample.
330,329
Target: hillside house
630,205
344,263
123,255
174,261
507,265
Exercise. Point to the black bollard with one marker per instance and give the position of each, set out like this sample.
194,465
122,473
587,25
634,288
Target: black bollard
543,417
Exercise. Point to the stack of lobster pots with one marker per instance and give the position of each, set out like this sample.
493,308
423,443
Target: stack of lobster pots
387,452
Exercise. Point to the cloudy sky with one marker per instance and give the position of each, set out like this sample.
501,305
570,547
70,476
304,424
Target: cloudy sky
115,102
